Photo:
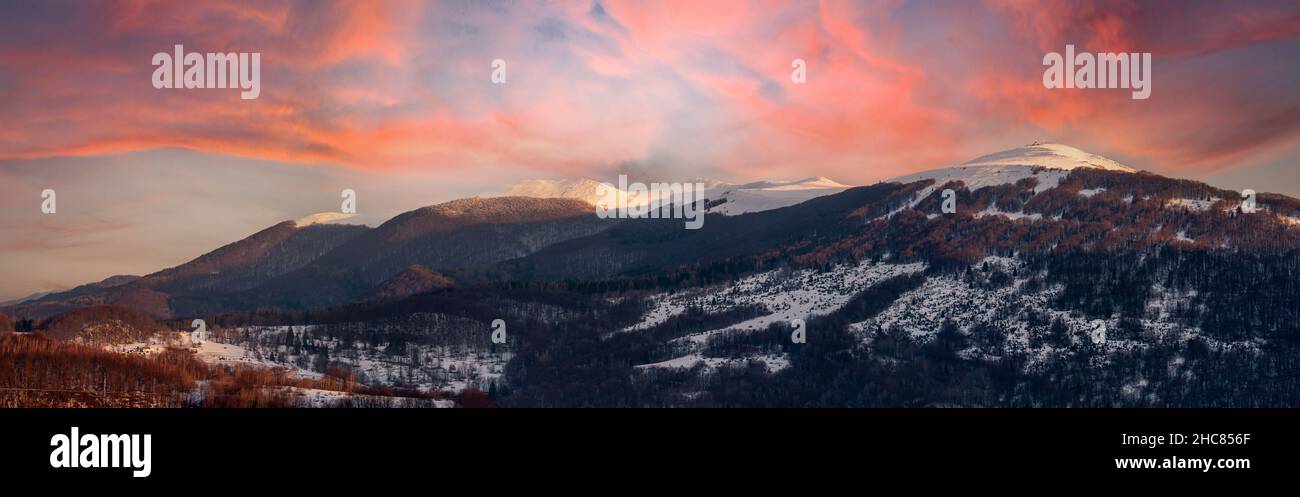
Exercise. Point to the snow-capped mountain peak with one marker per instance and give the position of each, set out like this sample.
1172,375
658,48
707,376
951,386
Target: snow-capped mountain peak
736,199
1047,162
321,218
582,189
1048,155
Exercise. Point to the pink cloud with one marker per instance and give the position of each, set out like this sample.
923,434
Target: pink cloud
892,86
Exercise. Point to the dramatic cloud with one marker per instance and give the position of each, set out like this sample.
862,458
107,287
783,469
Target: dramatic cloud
892,86
398,93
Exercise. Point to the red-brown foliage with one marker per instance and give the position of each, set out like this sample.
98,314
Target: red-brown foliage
36,371
101,324
473,398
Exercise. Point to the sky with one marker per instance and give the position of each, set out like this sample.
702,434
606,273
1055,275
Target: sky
395,100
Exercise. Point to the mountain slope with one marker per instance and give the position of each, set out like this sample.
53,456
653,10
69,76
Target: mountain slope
460,236
237,266
312,262
1051,285
653,245
1006,202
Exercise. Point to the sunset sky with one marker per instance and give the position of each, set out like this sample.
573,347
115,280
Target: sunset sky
394,100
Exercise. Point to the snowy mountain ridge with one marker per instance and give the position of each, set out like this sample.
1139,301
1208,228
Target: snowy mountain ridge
1048,163
735,199
321,218
1048,155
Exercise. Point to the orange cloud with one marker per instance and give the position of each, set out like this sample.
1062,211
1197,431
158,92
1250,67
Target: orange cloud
892,86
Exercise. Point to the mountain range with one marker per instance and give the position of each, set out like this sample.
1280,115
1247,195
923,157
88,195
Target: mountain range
316,261
1056,266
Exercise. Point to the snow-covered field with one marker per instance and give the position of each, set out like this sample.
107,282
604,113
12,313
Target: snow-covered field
227,354
208,351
